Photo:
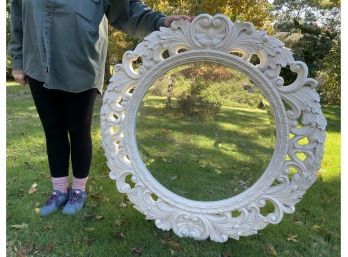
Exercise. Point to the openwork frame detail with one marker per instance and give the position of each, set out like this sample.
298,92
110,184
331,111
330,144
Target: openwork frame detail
295,107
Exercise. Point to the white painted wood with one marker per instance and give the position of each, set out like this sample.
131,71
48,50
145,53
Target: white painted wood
212,39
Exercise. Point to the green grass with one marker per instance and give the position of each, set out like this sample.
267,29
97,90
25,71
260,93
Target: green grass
122,231
204,160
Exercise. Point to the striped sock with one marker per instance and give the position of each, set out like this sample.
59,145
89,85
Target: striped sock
60,184
79,183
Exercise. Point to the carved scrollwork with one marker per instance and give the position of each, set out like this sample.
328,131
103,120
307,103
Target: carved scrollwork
296,109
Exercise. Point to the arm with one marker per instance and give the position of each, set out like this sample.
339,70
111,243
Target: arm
15,44
134,18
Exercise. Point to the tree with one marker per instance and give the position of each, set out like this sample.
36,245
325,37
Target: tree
330,76
312,29
255,11
8,37
118,43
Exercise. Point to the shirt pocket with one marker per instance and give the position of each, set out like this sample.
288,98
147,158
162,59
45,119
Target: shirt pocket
87,9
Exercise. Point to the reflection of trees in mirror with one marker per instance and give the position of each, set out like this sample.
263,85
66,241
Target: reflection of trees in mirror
205,159
200,89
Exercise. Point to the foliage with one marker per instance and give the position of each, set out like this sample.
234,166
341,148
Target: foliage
9,75
209,73
243,94
298,4
201,101
8,34
312,30
330,76
160,87
200,89
8,37
255,11
118,43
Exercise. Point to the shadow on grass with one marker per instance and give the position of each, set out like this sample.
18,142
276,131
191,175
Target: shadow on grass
123,231
333,117
315,226
205,160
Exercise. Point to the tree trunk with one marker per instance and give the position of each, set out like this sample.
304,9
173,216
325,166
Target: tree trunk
170,89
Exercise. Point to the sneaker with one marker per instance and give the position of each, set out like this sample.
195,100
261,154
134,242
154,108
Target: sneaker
55,202
76,201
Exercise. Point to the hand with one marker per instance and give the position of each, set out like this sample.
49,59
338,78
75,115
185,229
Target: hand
19,76
169,19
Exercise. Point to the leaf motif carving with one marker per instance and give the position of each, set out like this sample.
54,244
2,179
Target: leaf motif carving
216,36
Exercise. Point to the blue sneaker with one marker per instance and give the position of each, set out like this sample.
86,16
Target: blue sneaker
55,202
76,201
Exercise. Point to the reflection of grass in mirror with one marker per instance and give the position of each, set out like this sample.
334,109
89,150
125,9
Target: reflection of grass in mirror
204,160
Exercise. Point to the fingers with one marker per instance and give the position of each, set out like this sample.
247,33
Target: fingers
22,81
19,76
184,17
170,19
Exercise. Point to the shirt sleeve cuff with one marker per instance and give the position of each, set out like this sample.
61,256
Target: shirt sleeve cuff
160,22
17,64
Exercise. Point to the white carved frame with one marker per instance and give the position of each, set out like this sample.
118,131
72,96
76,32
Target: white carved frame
213,39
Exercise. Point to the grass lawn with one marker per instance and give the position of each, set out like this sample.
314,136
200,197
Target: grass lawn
204,160
109,226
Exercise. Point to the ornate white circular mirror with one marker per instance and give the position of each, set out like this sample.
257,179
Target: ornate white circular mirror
205,131
203,135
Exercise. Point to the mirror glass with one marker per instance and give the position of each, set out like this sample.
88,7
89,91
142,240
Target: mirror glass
205,131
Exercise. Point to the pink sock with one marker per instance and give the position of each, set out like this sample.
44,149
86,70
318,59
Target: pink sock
79,183
60,184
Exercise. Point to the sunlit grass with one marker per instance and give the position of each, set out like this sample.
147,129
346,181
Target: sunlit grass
227,155
331,164
315,223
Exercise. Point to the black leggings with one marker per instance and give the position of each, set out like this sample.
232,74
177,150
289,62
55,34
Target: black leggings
62,113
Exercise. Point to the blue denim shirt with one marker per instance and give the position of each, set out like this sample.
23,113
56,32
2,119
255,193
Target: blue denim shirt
64,42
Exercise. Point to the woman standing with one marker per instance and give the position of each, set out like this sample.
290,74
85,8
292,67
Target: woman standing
59,48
